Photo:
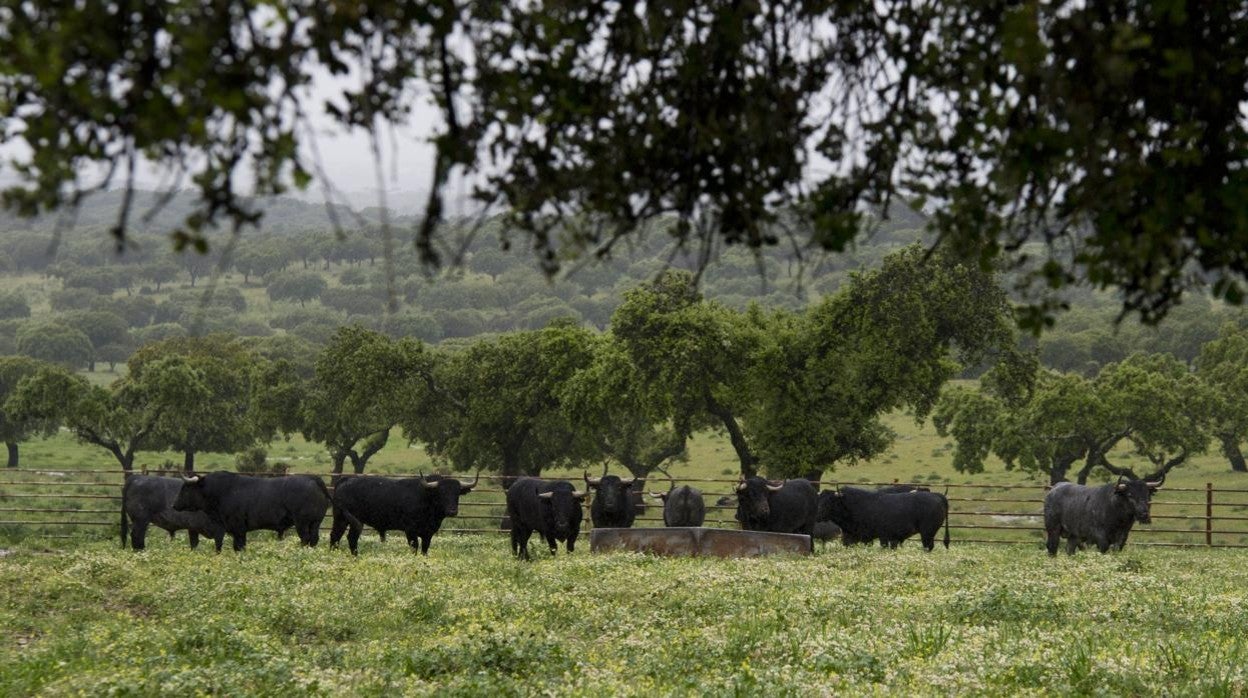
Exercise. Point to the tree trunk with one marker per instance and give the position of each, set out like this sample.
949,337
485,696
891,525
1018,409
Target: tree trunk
188,462
511,467
1230,449
749,461
12,453
339,457
1061,466
357,463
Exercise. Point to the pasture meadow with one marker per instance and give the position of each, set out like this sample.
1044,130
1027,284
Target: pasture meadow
90,618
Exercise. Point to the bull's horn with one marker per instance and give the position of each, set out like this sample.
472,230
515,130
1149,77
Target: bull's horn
432,485
1152,485
192,479
579,495
464,489
775,488
741,487
659,495
546,495
592,481
628,482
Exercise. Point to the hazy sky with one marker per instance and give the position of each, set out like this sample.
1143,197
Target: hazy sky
347,158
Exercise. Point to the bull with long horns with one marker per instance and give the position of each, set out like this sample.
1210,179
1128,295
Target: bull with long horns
414,505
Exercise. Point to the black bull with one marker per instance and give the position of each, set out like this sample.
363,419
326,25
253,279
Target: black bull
1101,515
552,509
148,501
414,505
789,507
891,517
241,503
682,506
613,501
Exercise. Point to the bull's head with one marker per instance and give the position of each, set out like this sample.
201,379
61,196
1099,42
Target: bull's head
447,491
612,491
1137,493
191,494
754,498
832,507
564,506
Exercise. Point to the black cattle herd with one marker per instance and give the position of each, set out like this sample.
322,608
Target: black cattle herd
220,503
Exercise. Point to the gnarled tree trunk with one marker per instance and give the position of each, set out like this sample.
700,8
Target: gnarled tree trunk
1230,449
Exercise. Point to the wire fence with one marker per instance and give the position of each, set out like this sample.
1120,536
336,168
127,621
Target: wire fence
86,502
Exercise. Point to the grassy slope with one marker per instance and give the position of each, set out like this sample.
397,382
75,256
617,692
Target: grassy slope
280,620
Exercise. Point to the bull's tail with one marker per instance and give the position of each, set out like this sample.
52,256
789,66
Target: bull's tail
340,511
125,489
945,497
321,484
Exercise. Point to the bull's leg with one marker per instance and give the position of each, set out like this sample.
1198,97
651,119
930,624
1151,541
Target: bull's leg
311,533
381,533
338,528
1054,538
424,544
1102,543
171,531
194,536
138,534
550,540
929,541
1072,543
520,541
240,541
219,541
353,538
413,540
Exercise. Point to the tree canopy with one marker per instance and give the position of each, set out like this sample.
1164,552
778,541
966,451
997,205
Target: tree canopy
1151,402
1080,142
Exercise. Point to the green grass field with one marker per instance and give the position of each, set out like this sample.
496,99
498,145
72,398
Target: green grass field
81,616
279,620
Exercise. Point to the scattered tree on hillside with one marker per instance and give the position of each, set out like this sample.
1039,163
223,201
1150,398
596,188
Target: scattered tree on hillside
1150,401
159,272
362,387
120,419
13,305
495,404
610,403
16,426
55,343
799,393
301,286
219,422
102,328
1223,367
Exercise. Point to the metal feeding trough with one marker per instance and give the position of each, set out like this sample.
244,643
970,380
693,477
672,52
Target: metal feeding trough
695,542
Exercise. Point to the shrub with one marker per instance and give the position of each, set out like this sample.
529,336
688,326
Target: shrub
255,461
13,305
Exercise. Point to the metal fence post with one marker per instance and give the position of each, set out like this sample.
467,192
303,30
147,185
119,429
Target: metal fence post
1209,514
